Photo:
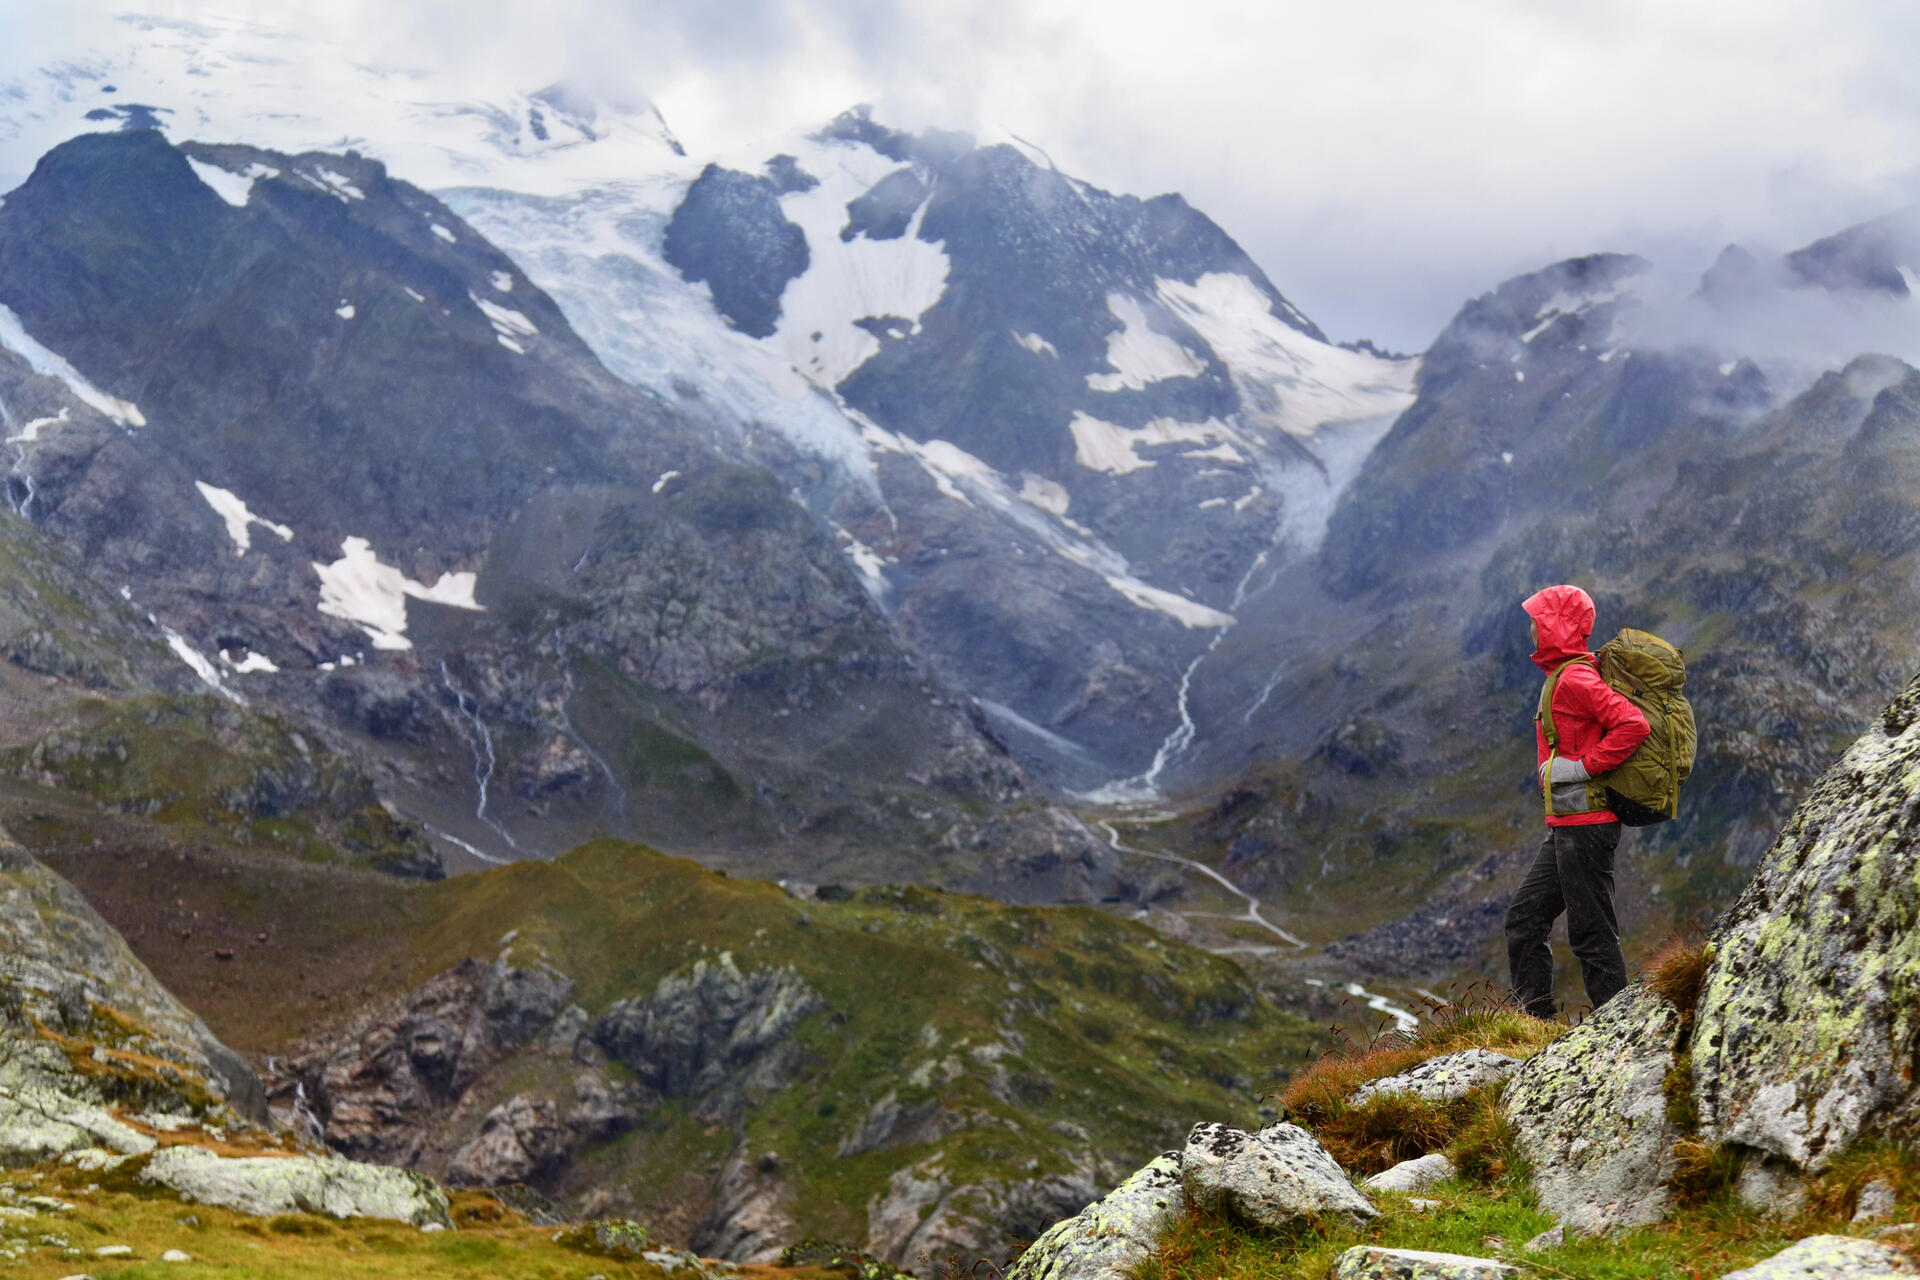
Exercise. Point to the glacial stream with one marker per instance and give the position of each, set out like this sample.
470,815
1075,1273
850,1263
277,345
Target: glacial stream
1402,1019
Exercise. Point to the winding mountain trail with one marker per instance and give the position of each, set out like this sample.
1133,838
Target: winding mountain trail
1403,1020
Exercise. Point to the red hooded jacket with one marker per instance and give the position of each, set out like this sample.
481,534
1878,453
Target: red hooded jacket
1597,725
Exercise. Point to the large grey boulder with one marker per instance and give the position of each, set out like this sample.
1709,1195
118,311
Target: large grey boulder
1441,1079
1413,1175
1369,1262
1107,1238
1808,1013
1272,1178
1589,1114
1830,1258
328,1185
39,1124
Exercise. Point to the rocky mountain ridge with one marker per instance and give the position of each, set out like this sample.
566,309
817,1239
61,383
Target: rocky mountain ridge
604,553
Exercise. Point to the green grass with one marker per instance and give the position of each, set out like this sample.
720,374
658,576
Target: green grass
1491,1222
487,1242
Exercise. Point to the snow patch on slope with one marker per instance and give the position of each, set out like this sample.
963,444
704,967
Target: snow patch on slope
1187,613
238,518
1102,446
1139,354
49,364
30,432
373,596
1286,379
235,188
850,280
198,662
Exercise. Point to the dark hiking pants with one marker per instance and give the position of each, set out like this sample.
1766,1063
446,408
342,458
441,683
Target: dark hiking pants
1573,872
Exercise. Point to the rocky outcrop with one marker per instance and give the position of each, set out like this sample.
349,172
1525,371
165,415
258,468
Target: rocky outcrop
376,1088
748,1221
1273,1178
266,1185
1830,1258
1441,1079
927,1215
1798,1048
100,1067
520,1139
84,1025
1589,1113
1804,1034
1105,1239
709,1029
1367,1262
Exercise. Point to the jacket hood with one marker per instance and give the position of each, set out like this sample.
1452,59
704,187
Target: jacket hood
1564,618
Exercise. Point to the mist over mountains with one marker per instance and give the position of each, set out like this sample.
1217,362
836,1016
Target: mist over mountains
400,485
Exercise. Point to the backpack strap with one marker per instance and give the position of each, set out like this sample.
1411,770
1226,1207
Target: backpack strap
1544,713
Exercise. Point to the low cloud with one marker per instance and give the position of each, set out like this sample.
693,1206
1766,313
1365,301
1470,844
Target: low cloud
1383,162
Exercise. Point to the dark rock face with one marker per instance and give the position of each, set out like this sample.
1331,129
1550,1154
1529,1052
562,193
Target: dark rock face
729,232
1438,480
707,1027
377,1089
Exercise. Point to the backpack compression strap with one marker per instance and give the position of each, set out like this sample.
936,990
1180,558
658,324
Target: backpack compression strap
1544,714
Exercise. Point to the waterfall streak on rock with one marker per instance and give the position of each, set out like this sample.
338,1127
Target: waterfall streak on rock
566,722
483,758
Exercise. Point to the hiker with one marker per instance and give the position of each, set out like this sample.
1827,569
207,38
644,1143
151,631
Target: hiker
1597,729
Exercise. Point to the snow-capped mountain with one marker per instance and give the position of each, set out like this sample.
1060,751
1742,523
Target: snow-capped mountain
1061,434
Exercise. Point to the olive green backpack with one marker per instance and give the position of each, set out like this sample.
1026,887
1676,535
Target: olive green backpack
1651,673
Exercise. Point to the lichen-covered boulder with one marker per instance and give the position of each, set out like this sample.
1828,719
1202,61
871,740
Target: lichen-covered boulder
1441,1079
1830,1258
1272,1178
1104,1240
327,1185
1413,1175
38,1124
82,1017
1370,1262
1804,1033
1590,1115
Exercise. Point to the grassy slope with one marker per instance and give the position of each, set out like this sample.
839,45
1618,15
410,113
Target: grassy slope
486,1243
1085,1020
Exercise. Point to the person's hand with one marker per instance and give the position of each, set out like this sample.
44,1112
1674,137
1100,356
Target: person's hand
1564,769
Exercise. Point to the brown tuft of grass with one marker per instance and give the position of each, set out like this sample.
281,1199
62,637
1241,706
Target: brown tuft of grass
470,1208
1382,1131
1484,1148
1676,971
1836,1191
1703,1172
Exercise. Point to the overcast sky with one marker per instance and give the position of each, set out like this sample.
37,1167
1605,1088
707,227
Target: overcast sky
1384,160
